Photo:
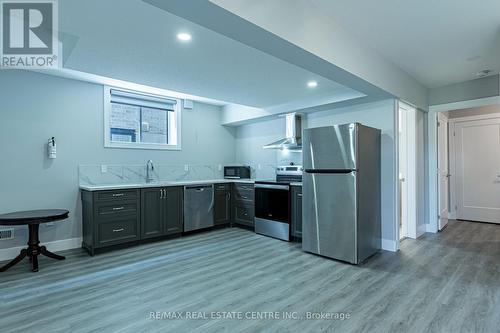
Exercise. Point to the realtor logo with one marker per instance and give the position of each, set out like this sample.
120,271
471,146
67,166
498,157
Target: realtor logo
29,34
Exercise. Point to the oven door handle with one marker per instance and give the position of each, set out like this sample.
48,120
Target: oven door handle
274,187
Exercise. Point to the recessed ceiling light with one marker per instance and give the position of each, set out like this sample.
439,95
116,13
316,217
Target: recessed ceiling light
185,37
312,84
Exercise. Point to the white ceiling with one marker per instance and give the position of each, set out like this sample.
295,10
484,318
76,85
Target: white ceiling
437,42
136,42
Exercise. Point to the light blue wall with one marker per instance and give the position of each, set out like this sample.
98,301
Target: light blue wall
249,141
464,91
34,107
251,137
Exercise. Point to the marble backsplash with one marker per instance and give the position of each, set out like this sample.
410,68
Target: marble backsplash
93,174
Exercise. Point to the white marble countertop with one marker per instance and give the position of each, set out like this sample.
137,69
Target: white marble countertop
104,187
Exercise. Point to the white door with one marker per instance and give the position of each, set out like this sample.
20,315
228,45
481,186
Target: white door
478,170
443,170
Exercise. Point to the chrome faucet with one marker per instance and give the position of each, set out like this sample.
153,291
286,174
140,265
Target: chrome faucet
149,171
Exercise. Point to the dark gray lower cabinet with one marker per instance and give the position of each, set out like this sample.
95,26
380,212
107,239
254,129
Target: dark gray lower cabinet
243,204
222,204
161,211
173,210
122,216
110,218
151,212
296,207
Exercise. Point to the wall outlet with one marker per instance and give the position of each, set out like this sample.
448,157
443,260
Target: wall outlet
220,167
186,167
49,224
259,167
104,168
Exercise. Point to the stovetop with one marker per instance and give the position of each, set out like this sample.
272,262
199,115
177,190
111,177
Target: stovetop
285,175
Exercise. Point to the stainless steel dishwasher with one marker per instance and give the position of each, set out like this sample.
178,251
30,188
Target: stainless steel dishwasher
198,207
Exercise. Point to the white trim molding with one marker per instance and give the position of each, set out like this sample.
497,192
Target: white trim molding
174,125
432,226
476,117
55,246
390,245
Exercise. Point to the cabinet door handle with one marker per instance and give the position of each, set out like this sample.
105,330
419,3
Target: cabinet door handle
117,195
299,195
118,230
164,194
243,197
118,208
228,195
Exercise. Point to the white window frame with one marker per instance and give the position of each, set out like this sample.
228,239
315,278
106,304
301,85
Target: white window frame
174,125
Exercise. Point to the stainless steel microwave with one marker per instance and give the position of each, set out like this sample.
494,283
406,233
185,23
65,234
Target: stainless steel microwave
237,172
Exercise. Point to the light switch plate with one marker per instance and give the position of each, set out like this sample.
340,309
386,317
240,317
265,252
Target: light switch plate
220,167
186,167
259,167
104,168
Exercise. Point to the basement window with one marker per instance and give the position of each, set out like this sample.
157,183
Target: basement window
140,120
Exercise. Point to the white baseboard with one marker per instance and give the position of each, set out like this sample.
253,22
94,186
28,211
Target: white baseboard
60,245
430,228
421,229
389,245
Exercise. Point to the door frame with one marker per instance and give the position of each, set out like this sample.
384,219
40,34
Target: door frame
432,182
409,193
447,157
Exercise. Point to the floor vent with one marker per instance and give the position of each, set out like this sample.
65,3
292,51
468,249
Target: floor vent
6,234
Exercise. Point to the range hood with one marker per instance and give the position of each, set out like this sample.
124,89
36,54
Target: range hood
293,139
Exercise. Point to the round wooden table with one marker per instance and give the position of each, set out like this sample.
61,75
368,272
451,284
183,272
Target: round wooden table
33,219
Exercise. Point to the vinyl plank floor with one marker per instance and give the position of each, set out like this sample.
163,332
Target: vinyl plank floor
445,282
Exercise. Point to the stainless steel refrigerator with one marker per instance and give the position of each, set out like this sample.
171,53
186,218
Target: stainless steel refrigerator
341,192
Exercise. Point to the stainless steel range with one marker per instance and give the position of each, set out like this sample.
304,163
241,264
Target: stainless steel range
272,202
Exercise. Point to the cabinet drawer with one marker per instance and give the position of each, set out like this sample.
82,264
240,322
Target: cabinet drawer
117,231
222,187
116,209
244,192
117,195
243,213
244,187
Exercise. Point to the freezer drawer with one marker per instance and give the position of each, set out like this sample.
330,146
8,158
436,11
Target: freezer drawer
330,215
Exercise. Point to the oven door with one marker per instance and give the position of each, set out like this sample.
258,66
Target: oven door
272,202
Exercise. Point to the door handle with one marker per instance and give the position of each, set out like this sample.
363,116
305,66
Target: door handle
118,230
